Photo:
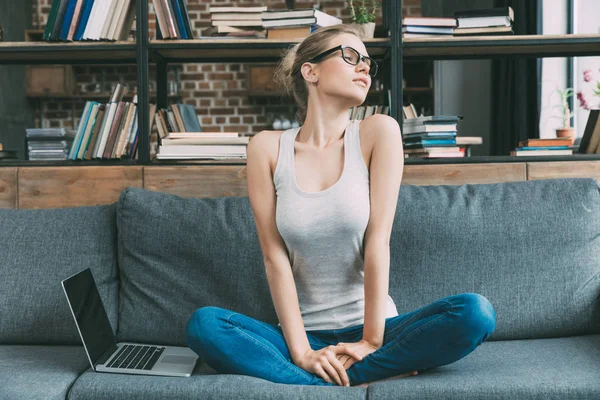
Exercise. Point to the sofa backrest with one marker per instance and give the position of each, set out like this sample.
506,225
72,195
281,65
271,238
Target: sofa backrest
40,248
530,247
177,255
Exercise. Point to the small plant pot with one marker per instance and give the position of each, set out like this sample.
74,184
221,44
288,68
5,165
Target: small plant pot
365,31
566,132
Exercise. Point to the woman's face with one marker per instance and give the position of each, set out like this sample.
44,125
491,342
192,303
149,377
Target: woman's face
336,77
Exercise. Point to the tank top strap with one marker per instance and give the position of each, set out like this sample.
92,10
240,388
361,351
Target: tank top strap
356,159
285,157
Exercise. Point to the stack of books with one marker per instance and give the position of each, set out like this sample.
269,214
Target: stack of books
543,147
107,131
49,143
418,27
202,145
433,136
173,19
89,20
236,22
295,24
490,21
176,118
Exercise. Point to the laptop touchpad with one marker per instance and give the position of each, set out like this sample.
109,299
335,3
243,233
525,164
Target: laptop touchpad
177,359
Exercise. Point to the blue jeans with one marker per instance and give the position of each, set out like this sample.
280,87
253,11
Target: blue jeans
438,334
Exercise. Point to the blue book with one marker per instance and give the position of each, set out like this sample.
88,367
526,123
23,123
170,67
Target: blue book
432,142
64,32
422,135
80,130
179,19
85,15
544,148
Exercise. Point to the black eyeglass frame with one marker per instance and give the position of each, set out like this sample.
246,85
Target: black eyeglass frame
372,71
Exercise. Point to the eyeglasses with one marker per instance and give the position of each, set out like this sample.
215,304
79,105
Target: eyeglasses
351,56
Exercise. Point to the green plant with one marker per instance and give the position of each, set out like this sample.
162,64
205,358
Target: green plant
564,105
359,11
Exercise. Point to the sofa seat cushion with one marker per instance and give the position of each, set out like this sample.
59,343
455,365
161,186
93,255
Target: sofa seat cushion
40,372
40,248
177,255
550,369
204,383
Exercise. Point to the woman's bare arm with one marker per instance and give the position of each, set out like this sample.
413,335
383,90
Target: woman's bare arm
261,191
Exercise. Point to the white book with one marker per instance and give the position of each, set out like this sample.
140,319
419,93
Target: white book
429,128
212,150
237,9
99,20
541,152
236,16
189,135
484,22
89,26
108,18
126,18
120,10
203,141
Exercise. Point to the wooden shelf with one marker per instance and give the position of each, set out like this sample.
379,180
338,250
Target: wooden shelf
239,50
88,96
440,48
67,53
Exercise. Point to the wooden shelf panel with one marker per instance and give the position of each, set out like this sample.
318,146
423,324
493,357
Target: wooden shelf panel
73,187
239,50
463,174
511,45
566,169
67,53
8,187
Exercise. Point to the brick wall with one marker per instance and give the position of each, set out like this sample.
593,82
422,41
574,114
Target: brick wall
218,91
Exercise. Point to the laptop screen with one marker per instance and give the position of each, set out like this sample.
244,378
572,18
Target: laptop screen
89,313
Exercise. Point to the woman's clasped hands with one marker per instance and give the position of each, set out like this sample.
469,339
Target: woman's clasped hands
331,362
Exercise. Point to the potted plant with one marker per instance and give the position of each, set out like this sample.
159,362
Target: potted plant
567,130
362,16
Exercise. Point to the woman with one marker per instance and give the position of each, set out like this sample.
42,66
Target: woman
324,197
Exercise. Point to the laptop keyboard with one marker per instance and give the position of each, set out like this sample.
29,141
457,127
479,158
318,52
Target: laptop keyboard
136,357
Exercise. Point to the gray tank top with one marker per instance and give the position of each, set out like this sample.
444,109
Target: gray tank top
323,232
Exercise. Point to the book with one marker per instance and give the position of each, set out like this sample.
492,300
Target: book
428,128
486,12
506,30
213,9
440,30
545,142
429,21
541,152
204,141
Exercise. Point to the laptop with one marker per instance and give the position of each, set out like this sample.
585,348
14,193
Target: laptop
103,352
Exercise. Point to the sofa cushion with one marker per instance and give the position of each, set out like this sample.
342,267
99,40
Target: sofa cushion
549,369
39,372
39,248
177,255
201,385
531,248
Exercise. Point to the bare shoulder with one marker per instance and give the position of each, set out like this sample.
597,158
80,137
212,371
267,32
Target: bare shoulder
378,127
268,144
379,124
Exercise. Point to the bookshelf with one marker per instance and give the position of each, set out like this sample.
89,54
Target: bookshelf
392,51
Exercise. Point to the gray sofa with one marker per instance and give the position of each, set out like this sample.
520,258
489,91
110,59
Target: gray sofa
532,248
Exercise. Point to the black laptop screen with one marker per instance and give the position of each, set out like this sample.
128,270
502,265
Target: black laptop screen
89,313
